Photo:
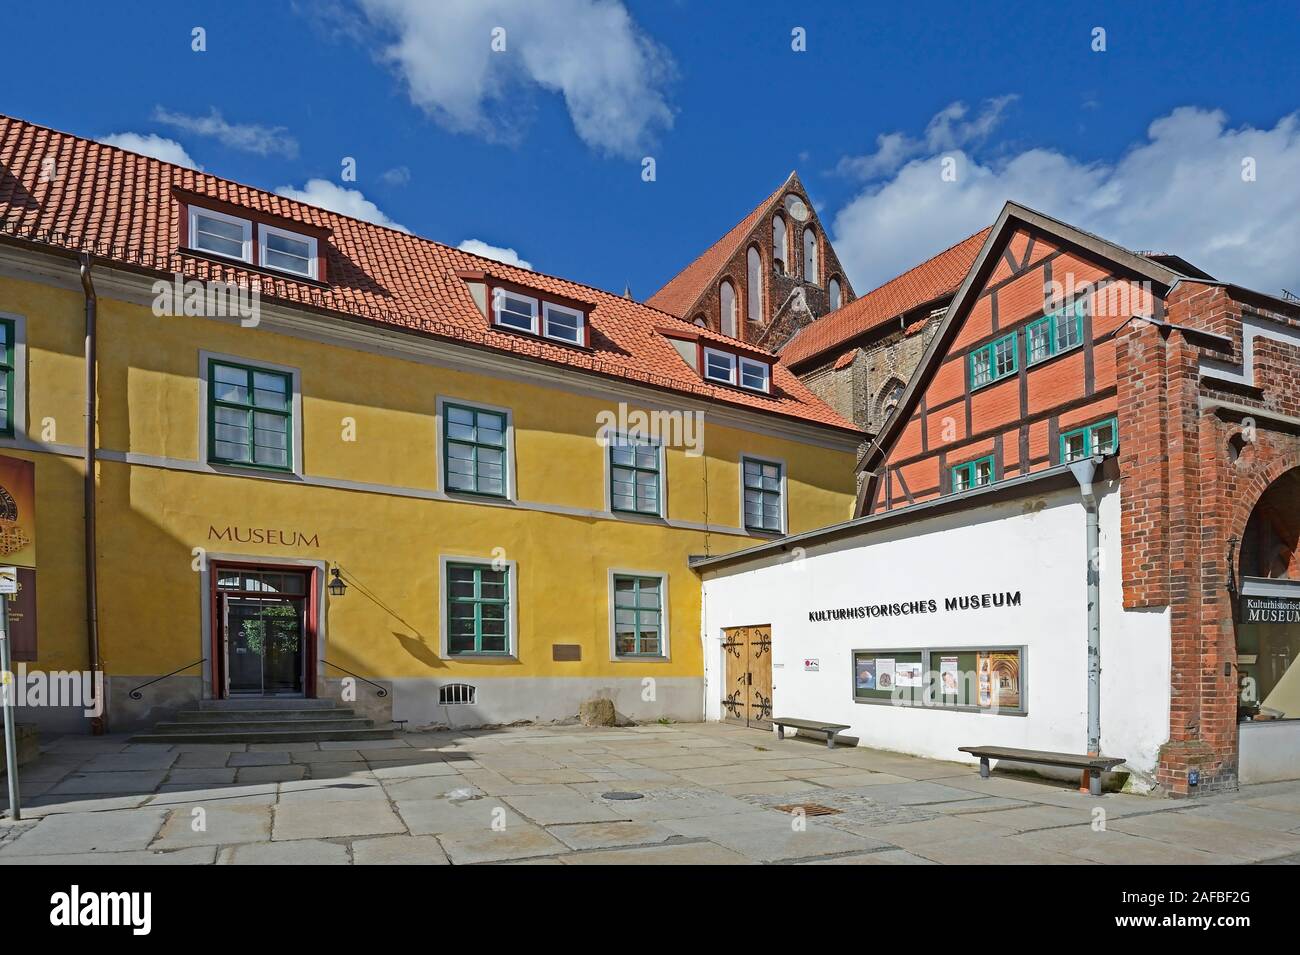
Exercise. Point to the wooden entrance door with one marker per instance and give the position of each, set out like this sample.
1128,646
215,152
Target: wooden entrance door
747,690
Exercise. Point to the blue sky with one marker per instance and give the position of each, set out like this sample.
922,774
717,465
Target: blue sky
539,147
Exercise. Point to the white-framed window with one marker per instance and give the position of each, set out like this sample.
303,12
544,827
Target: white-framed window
754,285
563,324
727,308
755,375
287,251
762,489
13,376
219,234
719,366
638,612
512,310
833,294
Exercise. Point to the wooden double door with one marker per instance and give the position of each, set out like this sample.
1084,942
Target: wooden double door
747,689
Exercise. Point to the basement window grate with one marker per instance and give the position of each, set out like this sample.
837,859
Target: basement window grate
452,694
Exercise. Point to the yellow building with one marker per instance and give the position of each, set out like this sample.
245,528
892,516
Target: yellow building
502,471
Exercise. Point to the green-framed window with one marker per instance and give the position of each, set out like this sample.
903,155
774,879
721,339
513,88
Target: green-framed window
638,616
763,492
993,362
1101,437
975,473
1054,333
474,450
478,609
8,334
250,416
635,475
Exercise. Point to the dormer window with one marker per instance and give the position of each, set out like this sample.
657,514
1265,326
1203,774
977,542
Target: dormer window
513,310
287,251
563,324
729,369
219,234
754,375
254,240
719,366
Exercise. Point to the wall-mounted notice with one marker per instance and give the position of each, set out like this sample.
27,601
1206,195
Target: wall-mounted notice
884,673
949,676
811,664
907,675
865,675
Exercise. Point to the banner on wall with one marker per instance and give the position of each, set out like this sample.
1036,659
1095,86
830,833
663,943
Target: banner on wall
17,512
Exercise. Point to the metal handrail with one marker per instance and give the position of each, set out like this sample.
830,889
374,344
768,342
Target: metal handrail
381,691
137,695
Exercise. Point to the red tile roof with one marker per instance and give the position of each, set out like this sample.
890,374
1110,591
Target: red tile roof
120,206
684,289
931,280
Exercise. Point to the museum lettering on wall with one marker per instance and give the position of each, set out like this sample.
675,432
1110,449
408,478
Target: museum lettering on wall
908,608
262,535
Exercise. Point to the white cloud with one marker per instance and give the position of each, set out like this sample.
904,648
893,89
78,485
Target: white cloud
397,176
948,129
495,252
150,144
348,202
246,137
591,52
1178,190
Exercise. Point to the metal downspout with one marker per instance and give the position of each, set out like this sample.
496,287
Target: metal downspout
97,723
1084,473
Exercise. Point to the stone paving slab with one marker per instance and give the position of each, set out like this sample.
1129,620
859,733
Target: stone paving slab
1112,847
517,841
609,835
443,815
398,850
196,856
549,810
112,831
109,783
703,853
1211,835
303,852
334,820
214,826
884,857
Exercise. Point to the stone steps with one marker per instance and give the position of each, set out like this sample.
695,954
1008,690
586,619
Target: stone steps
264,720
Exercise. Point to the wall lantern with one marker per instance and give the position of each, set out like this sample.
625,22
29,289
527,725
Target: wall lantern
337,587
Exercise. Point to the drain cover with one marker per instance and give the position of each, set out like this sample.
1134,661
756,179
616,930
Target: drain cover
620,795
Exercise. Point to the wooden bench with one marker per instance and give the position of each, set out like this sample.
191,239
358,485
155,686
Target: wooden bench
1093,765
830,729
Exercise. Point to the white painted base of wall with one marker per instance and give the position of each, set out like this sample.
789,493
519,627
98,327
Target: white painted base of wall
1269,751
415,700
547,699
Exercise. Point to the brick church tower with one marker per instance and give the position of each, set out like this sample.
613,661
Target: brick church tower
772,274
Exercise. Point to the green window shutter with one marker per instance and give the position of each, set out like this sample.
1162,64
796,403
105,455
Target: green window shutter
638,616
250,416
635,476
478,609
764,508
7,333
474,450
